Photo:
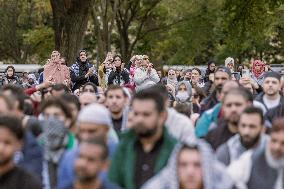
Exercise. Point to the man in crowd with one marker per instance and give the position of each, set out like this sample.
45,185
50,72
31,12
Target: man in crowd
250,136
94,122
234,103
262,168
222,74
273,114
11,138
59,89
209,118
192,165
116,101
144,150
91,161
30,157
74,106
271,97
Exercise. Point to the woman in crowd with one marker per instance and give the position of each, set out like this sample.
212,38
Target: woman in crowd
56,71
211,65
10,76
258,70
119,75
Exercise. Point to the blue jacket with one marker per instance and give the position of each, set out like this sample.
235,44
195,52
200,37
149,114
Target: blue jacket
208,117
32,155
66,172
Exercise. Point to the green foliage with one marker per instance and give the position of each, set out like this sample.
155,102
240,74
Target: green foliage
41,41
170,31
24,24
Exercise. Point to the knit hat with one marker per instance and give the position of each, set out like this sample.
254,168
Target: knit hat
229,60
95,113
224,69
272,74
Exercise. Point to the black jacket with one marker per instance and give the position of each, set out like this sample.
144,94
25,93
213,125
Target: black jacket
118,77
259,98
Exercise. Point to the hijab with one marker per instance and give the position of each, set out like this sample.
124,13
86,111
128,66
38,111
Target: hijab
258,73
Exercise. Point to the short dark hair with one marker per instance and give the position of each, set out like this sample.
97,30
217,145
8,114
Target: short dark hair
99,142
277,125
17,93
59,87
184,108
115,87
70,98
10,66
161,89
117,55
56,102
254,110
13,124
151,94
189,147
197,69
242,92
223,69
91,84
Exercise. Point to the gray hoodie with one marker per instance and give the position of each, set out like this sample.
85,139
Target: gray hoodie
214,173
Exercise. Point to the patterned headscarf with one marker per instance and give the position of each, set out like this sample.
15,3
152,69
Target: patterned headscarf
258,73
55,139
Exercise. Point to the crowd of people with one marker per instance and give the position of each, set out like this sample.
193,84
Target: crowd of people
127,126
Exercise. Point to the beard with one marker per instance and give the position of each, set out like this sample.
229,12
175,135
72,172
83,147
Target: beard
248,142
271,92
83,178
115,109
218,88
5,161
233,118
143,132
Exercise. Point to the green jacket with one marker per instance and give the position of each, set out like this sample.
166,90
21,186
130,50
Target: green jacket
122,169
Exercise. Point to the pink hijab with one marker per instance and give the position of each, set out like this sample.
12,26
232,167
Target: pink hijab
55,72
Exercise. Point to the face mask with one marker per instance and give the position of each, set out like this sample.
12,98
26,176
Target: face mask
182,96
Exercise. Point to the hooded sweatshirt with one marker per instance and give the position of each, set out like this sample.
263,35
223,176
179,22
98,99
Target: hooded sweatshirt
184,96
214,174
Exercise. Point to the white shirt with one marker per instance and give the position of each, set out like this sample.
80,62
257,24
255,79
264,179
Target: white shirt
271,103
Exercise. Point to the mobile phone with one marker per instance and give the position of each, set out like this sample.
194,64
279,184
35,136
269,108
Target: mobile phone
245,73
236,75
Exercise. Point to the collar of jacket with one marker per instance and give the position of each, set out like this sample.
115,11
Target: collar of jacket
128,139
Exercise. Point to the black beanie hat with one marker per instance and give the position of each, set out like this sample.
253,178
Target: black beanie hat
272,74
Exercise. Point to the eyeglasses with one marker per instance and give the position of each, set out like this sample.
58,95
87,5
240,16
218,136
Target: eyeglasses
145,58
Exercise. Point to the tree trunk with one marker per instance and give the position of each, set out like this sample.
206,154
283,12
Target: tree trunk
70,18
